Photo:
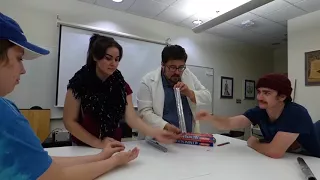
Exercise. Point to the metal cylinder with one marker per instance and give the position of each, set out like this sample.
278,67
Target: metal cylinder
305,169
182,122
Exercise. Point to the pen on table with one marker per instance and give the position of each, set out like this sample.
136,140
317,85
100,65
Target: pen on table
305,169
156,145
222,144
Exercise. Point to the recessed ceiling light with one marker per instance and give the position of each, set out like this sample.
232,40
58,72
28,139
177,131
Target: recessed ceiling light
247,23
117,1
197,22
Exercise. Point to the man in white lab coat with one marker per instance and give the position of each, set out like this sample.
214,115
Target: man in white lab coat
156,100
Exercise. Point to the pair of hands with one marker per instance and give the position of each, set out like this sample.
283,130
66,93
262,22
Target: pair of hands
113,146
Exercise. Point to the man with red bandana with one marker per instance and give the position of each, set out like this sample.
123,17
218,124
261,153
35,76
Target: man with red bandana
286,126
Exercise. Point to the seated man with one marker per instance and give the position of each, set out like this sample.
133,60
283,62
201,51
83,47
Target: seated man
285,125
21,154
156,99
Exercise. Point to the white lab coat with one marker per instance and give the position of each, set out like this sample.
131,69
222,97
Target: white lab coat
150,97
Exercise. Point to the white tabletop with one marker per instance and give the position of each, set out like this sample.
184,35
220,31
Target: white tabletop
235,161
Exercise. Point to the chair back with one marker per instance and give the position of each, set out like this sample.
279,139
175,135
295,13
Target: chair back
317,127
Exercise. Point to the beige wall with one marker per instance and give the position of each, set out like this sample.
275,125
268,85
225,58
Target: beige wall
280,60
304,36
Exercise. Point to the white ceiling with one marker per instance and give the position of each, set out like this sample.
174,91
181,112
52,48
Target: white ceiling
270,20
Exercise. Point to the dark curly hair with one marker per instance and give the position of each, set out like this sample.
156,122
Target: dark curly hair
173,52
98,46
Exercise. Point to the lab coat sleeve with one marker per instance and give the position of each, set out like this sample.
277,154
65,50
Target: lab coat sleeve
145,107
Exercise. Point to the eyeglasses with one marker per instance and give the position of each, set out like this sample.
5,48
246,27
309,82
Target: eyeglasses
174,68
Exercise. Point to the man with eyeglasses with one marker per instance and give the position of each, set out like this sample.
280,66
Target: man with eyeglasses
156,99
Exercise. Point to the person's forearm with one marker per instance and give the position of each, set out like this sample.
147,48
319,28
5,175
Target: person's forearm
136,123
88,171
71,161
83,135
221,123
266,149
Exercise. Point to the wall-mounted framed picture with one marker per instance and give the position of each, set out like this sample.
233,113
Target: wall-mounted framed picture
249,89
226,87
312,68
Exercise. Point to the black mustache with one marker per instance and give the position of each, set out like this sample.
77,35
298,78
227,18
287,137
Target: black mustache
179,78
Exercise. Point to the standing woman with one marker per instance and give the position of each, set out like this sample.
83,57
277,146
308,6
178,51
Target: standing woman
98,98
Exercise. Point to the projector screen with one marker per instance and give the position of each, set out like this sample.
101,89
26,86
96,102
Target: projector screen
139,58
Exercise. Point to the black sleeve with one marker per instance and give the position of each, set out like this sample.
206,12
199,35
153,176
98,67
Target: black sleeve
296,119
253,115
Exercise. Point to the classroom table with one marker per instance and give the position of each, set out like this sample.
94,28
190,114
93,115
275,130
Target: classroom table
234,161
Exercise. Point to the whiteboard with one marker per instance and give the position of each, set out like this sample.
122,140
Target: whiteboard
206,76
139,58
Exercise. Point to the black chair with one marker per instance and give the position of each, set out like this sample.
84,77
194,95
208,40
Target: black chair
126,129
234,134
36,108
317,126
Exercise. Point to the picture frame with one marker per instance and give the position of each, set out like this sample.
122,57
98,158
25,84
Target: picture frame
226,90
249,89
312,68
293,85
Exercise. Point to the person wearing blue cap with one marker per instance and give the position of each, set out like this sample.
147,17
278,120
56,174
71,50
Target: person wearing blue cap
21,154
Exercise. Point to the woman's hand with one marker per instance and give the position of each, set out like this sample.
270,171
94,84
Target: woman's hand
122,158
110,149
164,136
106,141
171,128
101,144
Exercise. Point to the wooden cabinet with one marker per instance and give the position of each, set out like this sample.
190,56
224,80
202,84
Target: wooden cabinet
39,121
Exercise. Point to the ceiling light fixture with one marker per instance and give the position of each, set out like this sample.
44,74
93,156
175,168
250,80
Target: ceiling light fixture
228,12
197,22
117,1
247,23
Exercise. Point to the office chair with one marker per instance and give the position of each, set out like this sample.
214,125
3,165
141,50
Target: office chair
317,127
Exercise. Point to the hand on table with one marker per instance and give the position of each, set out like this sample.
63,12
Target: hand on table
122,158
165,136
114,142
110,149
171,128
252,140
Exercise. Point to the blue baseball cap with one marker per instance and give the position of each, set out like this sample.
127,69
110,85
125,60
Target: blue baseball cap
10,30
